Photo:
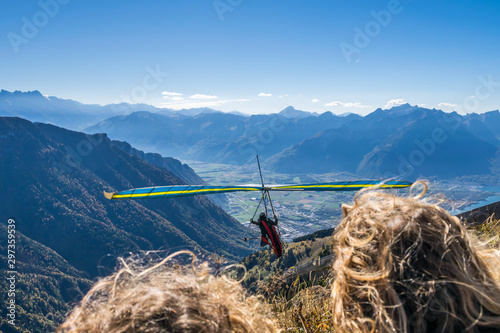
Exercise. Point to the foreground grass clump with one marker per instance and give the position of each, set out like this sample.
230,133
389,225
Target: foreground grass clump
489,231
302,306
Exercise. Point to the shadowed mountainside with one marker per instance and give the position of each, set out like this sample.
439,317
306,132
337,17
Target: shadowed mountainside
67,233
46,286
53,181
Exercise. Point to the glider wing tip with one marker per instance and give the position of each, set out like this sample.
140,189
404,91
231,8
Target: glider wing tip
108,195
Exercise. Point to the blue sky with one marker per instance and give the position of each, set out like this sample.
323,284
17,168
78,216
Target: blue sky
256,56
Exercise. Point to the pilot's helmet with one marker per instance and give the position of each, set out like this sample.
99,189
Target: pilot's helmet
262,215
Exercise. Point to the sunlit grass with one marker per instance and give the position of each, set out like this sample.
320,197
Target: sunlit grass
489,231
300,306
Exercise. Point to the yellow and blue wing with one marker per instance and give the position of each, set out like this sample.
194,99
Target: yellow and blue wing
175,191
190,190
351,185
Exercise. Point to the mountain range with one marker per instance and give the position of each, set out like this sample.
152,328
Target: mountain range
70,114
215,137
404,141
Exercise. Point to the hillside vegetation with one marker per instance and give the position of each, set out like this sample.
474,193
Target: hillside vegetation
263,265
52,184
46,286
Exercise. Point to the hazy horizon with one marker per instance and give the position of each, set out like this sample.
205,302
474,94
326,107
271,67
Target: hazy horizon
391,104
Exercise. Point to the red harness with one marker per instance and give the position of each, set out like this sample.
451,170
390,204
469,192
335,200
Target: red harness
272,236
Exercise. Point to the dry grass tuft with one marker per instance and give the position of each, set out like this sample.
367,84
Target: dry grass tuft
303,306
489,231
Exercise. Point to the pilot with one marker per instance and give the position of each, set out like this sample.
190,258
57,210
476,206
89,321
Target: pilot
263,218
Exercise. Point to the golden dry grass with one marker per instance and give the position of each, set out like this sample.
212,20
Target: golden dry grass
302,306
490,231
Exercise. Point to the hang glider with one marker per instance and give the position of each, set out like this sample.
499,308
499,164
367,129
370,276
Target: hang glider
270,235
191,190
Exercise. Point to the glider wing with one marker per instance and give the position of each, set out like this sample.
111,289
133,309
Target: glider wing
177,191
354,185
190,190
